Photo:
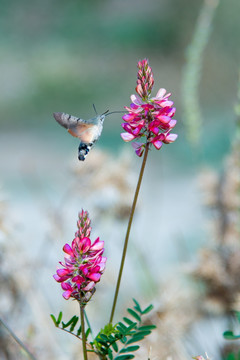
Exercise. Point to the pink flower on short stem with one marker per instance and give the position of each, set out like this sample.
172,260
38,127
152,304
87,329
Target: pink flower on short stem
83,263
149,119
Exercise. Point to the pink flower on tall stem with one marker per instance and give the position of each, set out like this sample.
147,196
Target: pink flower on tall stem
148,118
83,263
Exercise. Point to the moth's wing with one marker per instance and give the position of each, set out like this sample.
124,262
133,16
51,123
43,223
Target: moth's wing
85,130
65,120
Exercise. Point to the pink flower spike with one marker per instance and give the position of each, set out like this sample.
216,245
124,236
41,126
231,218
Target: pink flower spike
148,117
83,265
127,137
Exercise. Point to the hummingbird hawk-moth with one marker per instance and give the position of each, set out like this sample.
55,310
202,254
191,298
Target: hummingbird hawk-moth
88,131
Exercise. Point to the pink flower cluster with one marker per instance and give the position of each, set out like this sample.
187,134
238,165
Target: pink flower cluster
149,118
84,263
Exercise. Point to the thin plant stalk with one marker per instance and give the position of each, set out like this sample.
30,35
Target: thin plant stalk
128,230
83,332
20,343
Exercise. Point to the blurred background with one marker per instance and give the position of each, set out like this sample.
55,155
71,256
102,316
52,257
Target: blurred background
64,56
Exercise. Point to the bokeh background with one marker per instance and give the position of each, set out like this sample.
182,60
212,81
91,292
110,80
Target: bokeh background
64,56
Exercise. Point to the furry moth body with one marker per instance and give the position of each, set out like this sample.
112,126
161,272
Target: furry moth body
88,131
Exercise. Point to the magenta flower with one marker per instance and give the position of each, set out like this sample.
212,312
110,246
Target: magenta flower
83,263
148,118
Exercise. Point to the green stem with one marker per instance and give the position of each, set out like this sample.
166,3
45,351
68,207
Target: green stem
20,343
128,230
83,332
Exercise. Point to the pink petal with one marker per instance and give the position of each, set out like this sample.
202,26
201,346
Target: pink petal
170,138
67,249
136,99
127,137
67,294
172,123
164,119
94,276
128,117
57,278
165,103
62,272
97,245
85,244
157,144
134,106
66,286
161,92
139,148
89,286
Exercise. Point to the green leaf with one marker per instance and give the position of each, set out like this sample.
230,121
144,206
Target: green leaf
128,321
149,308
72,320
143,333
138,336
137,306
132,340
121,328
131,328
87,333
110,354
114,346
147,327
59,317
230,336
54,320
134,314
103,337
129,349
102,342
124,357
79,330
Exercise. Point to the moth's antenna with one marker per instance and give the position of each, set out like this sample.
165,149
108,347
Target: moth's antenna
105,112
95,109
115,112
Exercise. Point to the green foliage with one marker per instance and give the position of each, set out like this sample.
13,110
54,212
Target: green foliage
126,332
71,324
113,342
233,356
229,335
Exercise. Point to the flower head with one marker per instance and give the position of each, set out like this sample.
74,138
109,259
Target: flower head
149,118
83,263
